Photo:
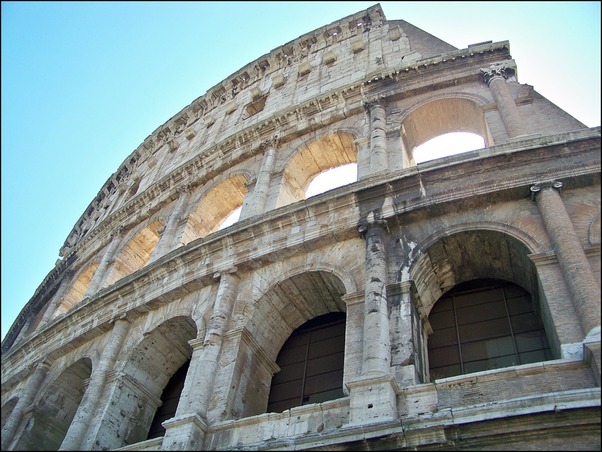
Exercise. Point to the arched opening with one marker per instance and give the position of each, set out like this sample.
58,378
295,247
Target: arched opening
141,388
473,255
449,118
314,158
52,414
331,179
311,364
281,310
485,324
76,292
218,209
136,254
447,144
170,399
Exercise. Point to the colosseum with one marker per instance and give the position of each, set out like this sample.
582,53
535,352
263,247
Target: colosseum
204,301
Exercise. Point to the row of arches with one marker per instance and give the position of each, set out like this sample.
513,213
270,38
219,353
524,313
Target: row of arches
488,318
308,174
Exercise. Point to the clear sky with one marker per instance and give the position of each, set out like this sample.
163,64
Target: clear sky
84,83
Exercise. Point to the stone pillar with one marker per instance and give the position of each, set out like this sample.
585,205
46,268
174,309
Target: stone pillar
107,257
377,347
26,398
405,353
577,272
187,429
224,302
256,203
379,160
76,435
495,77
373,394
166,241
354,337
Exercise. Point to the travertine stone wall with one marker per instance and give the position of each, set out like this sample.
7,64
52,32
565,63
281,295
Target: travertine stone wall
148,281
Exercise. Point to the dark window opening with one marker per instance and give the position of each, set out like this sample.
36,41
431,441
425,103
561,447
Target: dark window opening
170,398
311,363
485,324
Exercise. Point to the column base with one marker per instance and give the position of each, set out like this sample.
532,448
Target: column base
185,432
373,399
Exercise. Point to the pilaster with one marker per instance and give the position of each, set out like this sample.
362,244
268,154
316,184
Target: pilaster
26,398
577,272
495,76
84,417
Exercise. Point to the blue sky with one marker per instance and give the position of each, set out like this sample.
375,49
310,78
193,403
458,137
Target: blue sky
84,83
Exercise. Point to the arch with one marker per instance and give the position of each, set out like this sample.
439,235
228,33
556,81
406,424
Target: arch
312,158
135,254
76,292
462,253
440,115
532,245
215,206
294,301
331,179
285,306
55,408
144,374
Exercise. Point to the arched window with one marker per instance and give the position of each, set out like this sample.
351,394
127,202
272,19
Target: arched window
485,324
170,398
311,364
447,144
331,179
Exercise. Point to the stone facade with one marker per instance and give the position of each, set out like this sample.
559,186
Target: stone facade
149,282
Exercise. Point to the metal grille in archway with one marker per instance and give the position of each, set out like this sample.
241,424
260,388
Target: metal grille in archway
485,324
311,363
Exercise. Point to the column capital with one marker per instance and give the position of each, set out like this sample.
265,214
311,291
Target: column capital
183,188
118,317
536,188
117,231
498,70
270,143
45,364
369,105
228,271
372,223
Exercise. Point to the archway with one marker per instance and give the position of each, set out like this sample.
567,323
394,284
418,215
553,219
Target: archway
215,207
312,159
283,308
55,409
135,254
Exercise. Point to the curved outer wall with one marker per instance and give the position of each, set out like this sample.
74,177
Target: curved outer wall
149,282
